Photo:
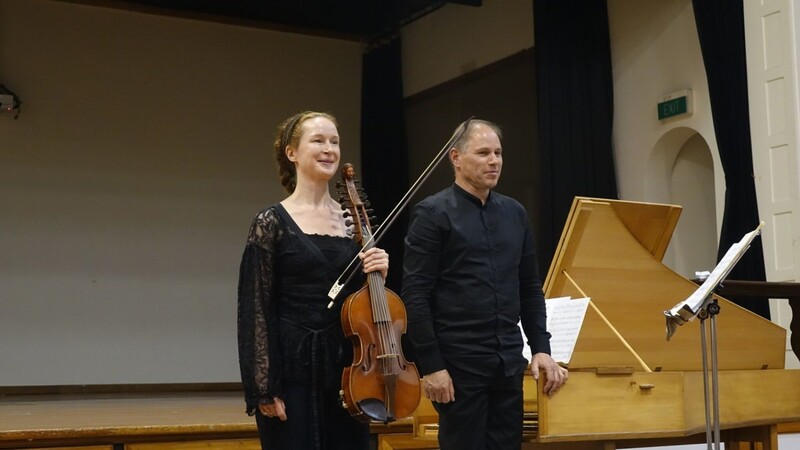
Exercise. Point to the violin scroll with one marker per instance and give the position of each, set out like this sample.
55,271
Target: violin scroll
357,207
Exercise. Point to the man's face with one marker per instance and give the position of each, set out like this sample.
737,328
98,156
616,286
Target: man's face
479,163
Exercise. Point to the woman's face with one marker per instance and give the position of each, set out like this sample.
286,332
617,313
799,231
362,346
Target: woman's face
317,153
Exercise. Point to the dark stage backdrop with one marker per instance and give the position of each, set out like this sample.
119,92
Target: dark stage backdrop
576,109
720,27
502,92
384,152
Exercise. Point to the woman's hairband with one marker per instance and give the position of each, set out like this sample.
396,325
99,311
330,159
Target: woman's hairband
289,130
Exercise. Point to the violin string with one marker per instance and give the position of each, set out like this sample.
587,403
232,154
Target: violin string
378,313
382,319
386,328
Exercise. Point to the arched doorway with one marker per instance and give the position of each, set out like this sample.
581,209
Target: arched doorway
681,171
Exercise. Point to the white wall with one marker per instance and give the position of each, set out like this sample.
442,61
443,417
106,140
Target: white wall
127,184
694,240
655,51
457,39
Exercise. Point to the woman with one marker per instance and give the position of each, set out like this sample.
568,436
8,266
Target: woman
291,346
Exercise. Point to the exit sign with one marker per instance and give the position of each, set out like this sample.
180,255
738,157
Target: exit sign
675,104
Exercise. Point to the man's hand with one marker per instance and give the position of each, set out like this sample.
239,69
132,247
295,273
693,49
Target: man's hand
556,375
438,387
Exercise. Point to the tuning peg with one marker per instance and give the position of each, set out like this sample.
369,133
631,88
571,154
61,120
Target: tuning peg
374,221
342,199
348,222
369,211
357,181
347,213
339,184
348,232
367,203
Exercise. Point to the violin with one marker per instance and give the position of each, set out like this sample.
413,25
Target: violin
379,385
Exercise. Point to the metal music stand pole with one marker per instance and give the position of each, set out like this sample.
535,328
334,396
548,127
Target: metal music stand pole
710,310
705,306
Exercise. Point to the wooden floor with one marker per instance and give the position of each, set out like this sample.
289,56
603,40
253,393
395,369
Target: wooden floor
185,421
109,419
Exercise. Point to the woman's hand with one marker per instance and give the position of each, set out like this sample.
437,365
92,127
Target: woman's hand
375,259
276,409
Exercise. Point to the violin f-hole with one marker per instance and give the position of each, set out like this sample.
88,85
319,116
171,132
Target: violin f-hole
366,366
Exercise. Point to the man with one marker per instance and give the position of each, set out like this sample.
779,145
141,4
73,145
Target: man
469,276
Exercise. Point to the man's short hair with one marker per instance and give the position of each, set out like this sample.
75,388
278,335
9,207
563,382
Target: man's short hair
462,141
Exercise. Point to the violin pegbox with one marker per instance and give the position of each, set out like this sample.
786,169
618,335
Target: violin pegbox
354,202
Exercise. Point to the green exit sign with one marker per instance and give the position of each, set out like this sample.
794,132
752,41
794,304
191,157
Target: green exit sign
675,104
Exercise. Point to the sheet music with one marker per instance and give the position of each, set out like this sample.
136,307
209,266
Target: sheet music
688,309
564,320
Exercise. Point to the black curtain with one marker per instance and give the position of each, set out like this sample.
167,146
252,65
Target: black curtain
720,27
576,108
384,151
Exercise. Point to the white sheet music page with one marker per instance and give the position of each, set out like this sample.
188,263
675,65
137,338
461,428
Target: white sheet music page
564,320
688,308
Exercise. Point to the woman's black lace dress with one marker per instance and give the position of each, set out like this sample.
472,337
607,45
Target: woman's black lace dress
290,344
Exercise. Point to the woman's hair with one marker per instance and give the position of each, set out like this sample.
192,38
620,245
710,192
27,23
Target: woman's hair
289,133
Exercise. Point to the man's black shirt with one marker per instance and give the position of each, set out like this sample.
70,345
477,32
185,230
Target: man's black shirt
469,276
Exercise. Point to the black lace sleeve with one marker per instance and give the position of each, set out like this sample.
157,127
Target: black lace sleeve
259,354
